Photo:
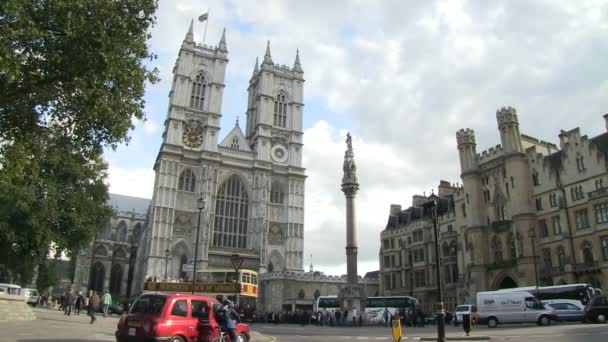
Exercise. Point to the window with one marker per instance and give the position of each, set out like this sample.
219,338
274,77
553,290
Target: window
535,179
450,228
577,193
507,188
547,258
280,111
197,98
180,308
581,220
409,240
542,225
231,215
539,203
419,255
385,243
580,164
511,246
445,249
417,236
553,200
601,213
187,181
500,213
419,278
605,248
149,304
557,227
387,261
561,258
587,253
235,143
200,310
387,281
277,193
464,209
392,243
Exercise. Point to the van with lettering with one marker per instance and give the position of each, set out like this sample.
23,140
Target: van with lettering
501,307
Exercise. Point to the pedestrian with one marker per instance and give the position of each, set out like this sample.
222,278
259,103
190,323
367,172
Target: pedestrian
62,302
354,315
69,302
107,300
385,316
231,318
344,316
94,301
337,314
79,304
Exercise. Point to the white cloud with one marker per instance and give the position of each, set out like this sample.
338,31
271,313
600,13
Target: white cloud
151,126
137,182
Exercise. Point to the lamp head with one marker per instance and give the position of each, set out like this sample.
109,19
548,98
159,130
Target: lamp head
201,202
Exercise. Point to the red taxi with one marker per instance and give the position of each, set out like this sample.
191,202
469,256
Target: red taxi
173,317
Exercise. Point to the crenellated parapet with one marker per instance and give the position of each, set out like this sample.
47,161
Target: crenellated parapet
304,276
506,115
465,136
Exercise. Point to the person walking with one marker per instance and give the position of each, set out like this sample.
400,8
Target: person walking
79,304
69,302
94,301
337,314
385,316
354,316
107,300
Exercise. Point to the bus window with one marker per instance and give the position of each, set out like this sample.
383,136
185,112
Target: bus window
246,278
254,279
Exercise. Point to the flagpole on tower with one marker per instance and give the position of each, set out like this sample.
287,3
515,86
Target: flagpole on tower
204,17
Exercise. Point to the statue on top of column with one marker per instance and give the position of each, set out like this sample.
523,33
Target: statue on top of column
350,169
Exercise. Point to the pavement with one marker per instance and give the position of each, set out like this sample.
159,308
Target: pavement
52,325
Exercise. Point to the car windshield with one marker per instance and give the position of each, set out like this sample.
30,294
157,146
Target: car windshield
149,304
462,308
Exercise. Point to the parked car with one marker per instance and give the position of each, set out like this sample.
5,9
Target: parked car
597,309
568,312
113,309
173,317
31,295
466,309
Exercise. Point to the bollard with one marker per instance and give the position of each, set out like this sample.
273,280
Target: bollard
466,323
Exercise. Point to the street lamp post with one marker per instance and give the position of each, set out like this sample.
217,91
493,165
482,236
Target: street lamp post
201,205
167,253
532,235
431,208
237,262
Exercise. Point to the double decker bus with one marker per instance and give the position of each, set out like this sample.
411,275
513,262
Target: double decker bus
581,293
241,288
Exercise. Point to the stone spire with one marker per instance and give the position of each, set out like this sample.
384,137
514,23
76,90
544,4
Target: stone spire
267,57
222,45
190,35
256,68
296,65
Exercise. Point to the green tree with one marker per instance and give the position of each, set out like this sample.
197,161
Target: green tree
72,79
47,276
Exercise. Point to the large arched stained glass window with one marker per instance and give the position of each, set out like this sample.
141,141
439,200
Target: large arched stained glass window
231,213
198,92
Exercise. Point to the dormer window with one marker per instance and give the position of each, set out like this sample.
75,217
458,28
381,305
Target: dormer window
235,143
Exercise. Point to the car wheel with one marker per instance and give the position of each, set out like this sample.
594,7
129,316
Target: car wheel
176,339
544,320
600,318
492,322
241,338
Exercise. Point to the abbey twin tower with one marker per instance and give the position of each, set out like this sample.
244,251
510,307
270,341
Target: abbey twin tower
252,182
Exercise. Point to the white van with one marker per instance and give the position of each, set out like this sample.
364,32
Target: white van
9,289
498,307
31,295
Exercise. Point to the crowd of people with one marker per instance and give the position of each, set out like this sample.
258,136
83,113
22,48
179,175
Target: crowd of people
74,302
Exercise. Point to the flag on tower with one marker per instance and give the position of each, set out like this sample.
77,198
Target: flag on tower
203,17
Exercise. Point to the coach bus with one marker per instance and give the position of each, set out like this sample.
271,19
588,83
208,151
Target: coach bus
581,293
327,303
404,306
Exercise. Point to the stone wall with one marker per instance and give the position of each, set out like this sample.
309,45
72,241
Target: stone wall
14,308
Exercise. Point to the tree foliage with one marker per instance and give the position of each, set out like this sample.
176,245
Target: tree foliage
72,79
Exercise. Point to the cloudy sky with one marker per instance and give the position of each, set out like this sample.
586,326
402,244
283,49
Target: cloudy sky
402,77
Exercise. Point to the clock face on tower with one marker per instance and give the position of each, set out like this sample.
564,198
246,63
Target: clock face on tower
193,136
278,154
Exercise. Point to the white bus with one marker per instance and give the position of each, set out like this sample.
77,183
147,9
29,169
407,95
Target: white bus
582,293
404,306
327,303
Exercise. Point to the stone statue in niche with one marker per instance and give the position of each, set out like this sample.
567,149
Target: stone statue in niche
275,235
183,224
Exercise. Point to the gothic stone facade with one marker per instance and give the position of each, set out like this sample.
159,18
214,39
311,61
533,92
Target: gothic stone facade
252,182
109,261
527,204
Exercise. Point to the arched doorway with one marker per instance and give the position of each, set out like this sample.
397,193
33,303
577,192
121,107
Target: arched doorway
98,276
507,283
115,279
